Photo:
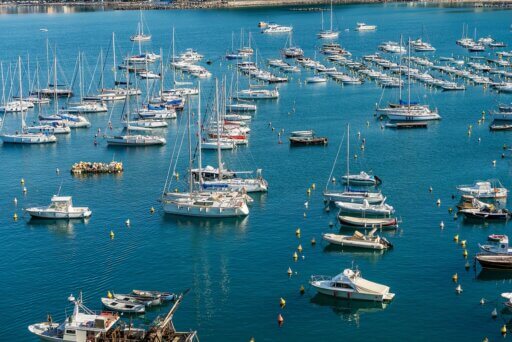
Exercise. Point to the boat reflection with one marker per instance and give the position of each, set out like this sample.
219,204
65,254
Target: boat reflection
354,251
494,275
348,310
63,227
239,223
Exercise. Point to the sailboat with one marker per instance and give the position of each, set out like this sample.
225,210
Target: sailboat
330,33
292,51
349,194
198,202
85,106
53,88
129,139
24,137
140,36
407,110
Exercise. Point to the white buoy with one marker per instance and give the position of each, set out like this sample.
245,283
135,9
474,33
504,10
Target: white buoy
127,222
306,204
438,202
58,171
494,313
482,301
494,163
458,289
441,225
15,201
24,189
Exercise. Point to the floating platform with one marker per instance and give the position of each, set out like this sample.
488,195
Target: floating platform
82,167
401,125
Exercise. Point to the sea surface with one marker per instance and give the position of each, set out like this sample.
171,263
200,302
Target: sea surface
236,270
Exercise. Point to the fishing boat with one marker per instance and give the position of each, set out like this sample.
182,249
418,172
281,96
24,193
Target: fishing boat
487,213
330,33
365,27
162,295
497,247
366,208
495,261
359,240
368,223
123,306
61,207
484,190
134,299
362,178
351,285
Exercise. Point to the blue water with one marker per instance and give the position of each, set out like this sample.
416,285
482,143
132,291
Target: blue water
236,269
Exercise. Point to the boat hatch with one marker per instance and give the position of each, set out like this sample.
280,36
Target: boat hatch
99,323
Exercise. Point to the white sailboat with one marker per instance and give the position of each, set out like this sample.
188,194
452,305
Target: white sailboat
23,136
330,33
140,36
201,203
350,195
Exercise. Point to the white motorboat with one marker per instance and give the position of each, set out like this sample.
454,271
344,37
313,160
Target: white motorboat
365,208
123,306
497,247
316,79
362,178
358,240
275,28
392,47
61,207
257,94
365,27
420,46
136,140
83,325
351,285
484,190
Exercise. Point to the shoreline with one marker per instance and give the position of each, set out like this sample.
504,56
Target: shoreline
300,5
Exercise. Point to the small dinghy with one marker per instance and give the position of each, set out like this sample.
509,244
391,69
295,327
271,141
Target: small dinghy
359,240
366,208
361,178
164,296
350,285
123,306
368,223
135,299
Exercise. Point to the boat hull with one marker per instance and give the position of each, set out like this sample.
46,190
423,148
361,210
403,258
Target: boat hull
351,295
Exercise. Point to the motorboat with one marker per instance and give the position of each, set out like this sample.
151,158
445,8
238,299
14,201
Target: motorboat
365,27
362,178
257,94
351,285
123,306
484,190
82,325
134,299
316,79
420,46
496,237
487,213
61,207
275,28
365,208
359,240
307,137
497,247
136,140
392,47
368,223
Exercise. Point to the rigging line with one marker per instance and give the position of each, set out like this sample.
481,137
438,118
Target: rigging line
335,161
172,157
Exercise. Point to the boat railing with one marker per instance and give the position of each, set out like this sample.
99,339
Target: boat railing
320,278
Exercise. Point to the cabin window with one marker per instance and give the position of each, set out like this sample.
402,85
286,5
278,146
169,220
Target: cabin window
502,246
71,332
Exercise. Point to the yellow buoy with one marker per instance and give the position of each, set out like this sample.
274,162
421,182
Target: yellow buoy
463,243
302,289
112,234
299,248
465,253
456,238
504,329
152,210
15,217
297,232
109,295
252,339
22,181
482,301
282,302
467,265
305,215
295,256
455,277
24,189
313,186
308,191
450,210
289,272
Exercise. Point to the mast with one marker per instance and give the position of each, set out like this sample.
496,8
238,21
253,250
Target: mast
101,67
348,155
400,71
200,137
3,83
161,73
191,179
48,60
55,98
172,62
28,74
114,55
80,71
409,77
127,99
217,109
21,95
331,15
322,14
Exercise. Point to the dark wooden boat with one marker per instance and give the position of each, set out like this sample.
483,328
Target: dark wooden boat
486,214
297,141
495,261
500,127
